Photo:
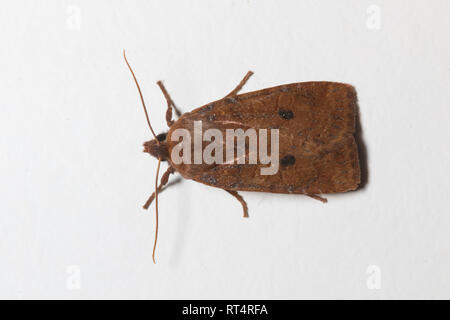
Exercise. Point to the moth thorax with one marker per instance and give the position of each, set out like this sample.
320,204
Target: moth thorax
158,150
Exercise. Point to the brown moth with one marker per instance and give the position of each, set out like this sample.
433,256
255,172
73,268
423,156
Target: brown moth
317,149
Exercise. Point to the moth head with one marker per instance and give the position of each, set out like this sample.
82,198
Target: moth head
158,147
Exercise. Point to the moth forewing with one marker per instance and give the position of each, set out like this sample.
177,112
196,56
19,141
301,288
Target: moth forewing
314,122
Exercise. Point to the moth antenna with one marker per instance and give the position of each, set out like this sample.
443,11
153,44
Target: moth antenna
156,205
140,94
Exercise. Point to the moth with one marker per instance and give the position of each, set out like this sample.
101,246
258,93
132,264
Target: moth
317,150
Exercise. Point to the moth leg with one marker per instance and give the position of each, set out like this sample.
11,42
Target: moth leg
240,199
317,197
170,105
240,85
164,180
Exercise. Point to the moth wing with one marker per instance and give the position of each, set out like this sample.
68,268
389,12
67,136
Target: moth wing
316,123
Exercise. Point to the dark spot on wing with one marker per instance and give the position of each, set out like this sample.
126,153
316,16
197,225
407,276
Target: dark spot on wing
286,114
288,160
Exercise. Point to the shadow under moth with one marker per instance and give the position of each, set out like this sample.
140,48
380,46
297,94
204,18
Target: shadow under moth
315,124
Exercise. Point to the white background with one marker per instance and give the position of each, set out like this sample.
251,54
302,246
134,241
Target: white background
74,178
